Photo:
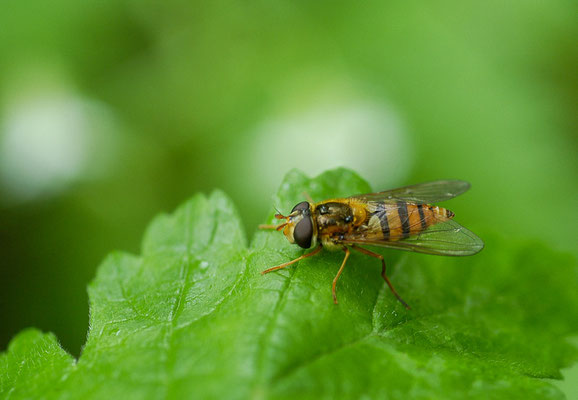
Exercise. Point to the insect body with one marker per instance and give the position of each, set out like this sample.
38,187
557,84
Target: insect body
401,218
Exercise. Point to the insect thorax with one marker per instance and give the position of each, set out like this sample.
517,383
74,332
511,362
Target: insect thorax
333,219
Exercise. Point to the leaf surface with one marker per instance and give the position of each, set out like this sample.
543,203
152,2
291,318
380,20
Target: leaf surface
192,317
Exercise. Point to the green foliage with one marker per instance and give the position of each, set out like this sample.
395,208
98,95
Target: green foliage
192,317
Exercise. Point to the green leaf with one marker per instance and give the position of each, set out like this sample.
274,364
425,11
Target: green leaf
193,317
34,366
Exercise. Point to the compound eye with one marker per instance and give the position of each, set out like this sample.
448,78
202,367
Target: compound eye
303,233
301,206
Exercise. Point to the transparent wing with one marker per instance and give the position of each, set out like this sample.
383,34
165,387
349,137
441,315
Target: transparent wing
429,192
446,238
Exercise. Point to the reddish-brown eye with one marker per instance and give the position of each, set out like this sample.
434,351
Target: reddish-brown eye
303,233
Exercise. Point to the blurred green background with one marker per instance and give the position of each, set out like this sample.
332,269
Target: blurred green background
114,111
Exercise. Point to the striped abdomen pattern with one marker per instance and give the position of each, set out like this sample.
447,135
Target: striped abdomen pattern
396,221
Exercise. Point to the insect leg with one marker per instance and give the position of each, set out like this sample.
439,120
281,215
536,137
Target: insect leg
276,227
317,250
268,226
347,252
384,276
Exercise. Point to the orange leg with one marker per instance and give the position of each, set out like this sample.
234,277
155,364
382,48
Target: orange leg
346,249
276,227
317,250
268,226
384,276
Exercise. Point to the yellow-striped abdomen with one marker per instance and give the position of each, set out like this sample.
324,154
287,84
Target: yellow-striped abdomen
396,221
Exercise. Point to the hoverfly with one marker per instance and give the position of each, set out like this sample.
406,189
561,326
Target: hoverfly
402,218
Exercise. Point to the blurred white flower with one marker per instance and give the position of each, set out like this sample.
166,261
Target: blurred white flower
47,141
367,137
